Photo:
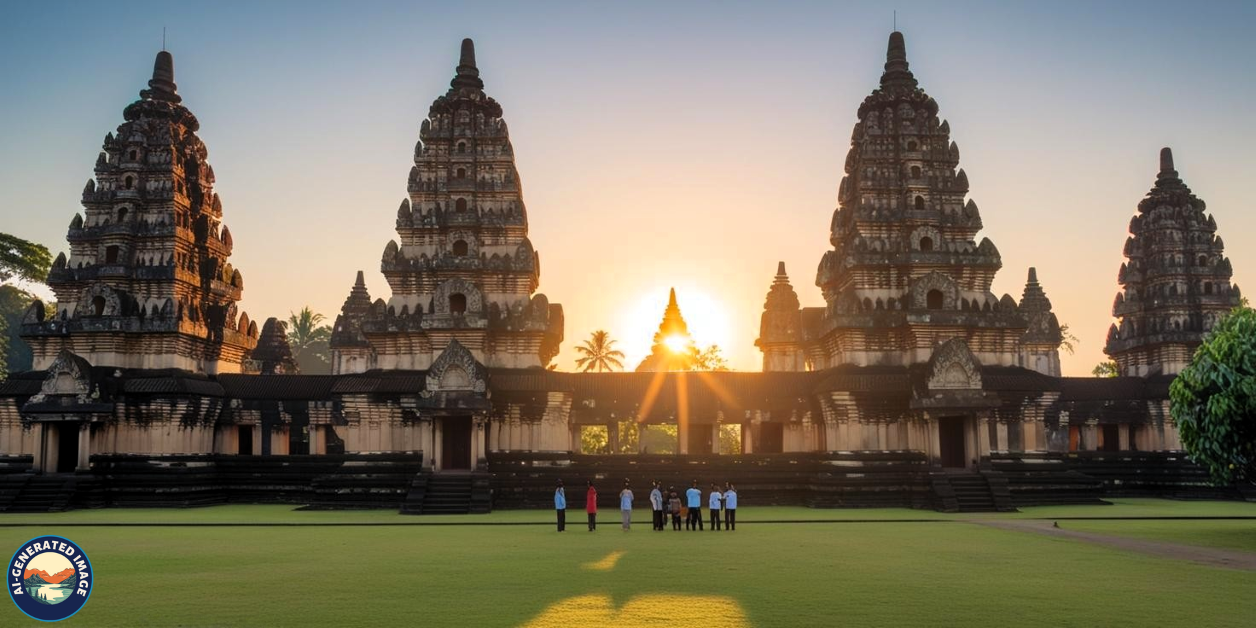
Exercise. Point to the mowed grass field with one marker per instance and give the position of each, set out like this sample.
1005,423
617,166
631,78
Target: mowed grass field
944,572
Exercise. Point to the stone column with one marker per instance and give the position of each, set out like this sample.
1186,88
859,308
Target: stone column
478,457
314,438
1123,437
715,439
84,447
1090,436
612,437
747,437
1001,433
436,444
983,440
37,460
682,435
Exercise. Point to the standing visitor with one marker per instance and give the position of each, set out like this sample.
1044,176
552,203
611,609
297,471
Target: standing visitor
625,506
694,498
656,506
590,506
560,506
730,507
715,503
674,507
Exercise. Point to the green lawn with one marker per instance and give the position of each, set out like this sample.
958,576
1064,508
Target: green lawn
899,574
1239,535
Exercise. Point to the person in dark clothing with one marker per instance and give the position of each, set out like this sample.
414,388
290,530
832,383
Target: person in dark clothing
590,506
716,504
693,499
674,506
656,506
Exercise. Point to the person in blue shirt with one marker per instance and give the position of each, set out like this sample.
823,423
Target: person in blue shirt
715,503
560,506
693,497
625,506
730,506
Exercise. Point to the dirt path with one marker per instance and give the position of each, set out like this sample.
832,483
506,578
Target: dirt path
1215,557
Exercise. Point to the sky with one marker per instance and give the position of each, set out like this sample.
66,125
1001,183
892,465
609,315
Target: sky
659,144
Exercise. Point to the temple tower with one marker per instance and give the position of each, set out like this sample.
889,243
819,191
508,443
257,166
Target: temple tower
906,272
462,267
1040,346
351,353
673,348
780,327
147,283
1175,283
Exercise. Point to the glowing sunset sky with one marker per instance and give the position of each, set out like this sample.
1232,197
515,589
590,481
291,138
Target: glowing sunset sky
658,145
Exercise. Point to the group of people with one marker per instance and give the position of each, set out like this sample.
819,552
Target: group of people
722,506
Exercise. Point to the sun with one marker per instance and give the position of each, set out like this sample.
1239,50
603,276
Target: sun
707,317
676,343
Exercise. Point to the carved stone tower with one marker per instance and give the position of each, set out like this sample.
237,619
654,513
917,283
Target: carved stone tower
906,272
1040,346
351,353
462,267
1175,284
780,327
147,283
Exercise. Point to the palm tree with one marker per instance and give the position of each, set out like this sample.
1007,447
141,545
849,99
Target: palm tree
599,352
309,341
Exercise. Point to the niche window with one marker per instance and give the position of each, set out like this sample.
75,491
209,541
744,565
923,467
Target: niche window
462,147
460,248
460,205
926,243
98,306
121,214
911,145
128,183
457,304
933,300
111,254
461,173
920,202
134,154
915,172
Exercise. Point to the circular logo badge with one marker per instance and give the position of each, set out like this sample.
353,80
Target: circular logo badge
49,578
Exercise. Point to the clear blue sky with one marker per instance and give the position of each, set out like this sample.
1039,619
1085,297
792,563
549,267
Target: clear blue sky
687,144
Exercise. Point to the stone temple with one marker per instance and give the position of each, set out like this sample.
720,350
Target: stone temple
914,385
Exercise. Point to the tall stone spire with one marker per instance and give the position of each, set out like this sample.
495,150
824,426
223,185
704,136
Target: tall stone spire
462,264
673,348
148,283
1175,281
1040,346
907,270
467,75
780,326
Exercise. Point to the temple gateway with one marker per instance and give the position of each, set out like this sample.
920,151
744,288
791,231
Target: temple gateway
914,385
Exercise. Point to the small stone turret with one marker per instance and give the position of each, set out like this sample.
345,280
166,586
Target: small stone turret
780,327
350,351
273,355
1175,282
1040,346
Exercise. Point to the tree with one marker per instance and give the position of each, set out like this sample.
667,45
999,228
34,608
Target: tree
24,260
599,352
711,359
311,342
1068,341
594,440
1106,369
1213,400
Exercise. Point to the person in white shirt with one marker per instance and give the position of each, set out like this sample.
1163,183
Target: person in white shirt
716,503
730,507
625,506
656,506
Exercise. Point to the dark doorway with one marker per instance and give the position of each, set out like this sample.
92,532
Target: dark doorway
455,443
67,447
951,442
1112,437
244,440
771,438
700,439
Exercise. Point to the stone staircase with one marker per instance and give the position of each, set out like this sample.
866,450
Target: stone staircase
970,491
43,493
448,494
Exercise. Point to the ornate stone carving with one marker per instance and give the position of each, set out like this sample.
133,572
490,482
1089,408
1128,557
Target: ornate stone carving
456,369
954,367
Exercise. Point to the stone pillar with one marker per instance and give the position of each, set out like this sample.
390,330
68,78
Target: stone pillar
612,437
1124,436
1001,434
715,439
315,433
478,457
37,460
982,442
747,437
436,444
682,435
1090,436
84,447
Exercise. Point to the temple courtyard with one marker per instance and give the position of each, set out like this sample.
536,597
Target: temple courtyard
1138,562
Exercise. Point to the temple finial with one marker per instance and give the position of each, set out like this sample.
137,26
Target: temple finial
896,69
1166,161
162,86
467,75
780,269
361,281
671,298
1033,275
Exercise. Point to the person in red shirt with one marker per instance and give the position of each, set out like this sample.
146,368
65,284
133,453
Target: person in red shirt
590,506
